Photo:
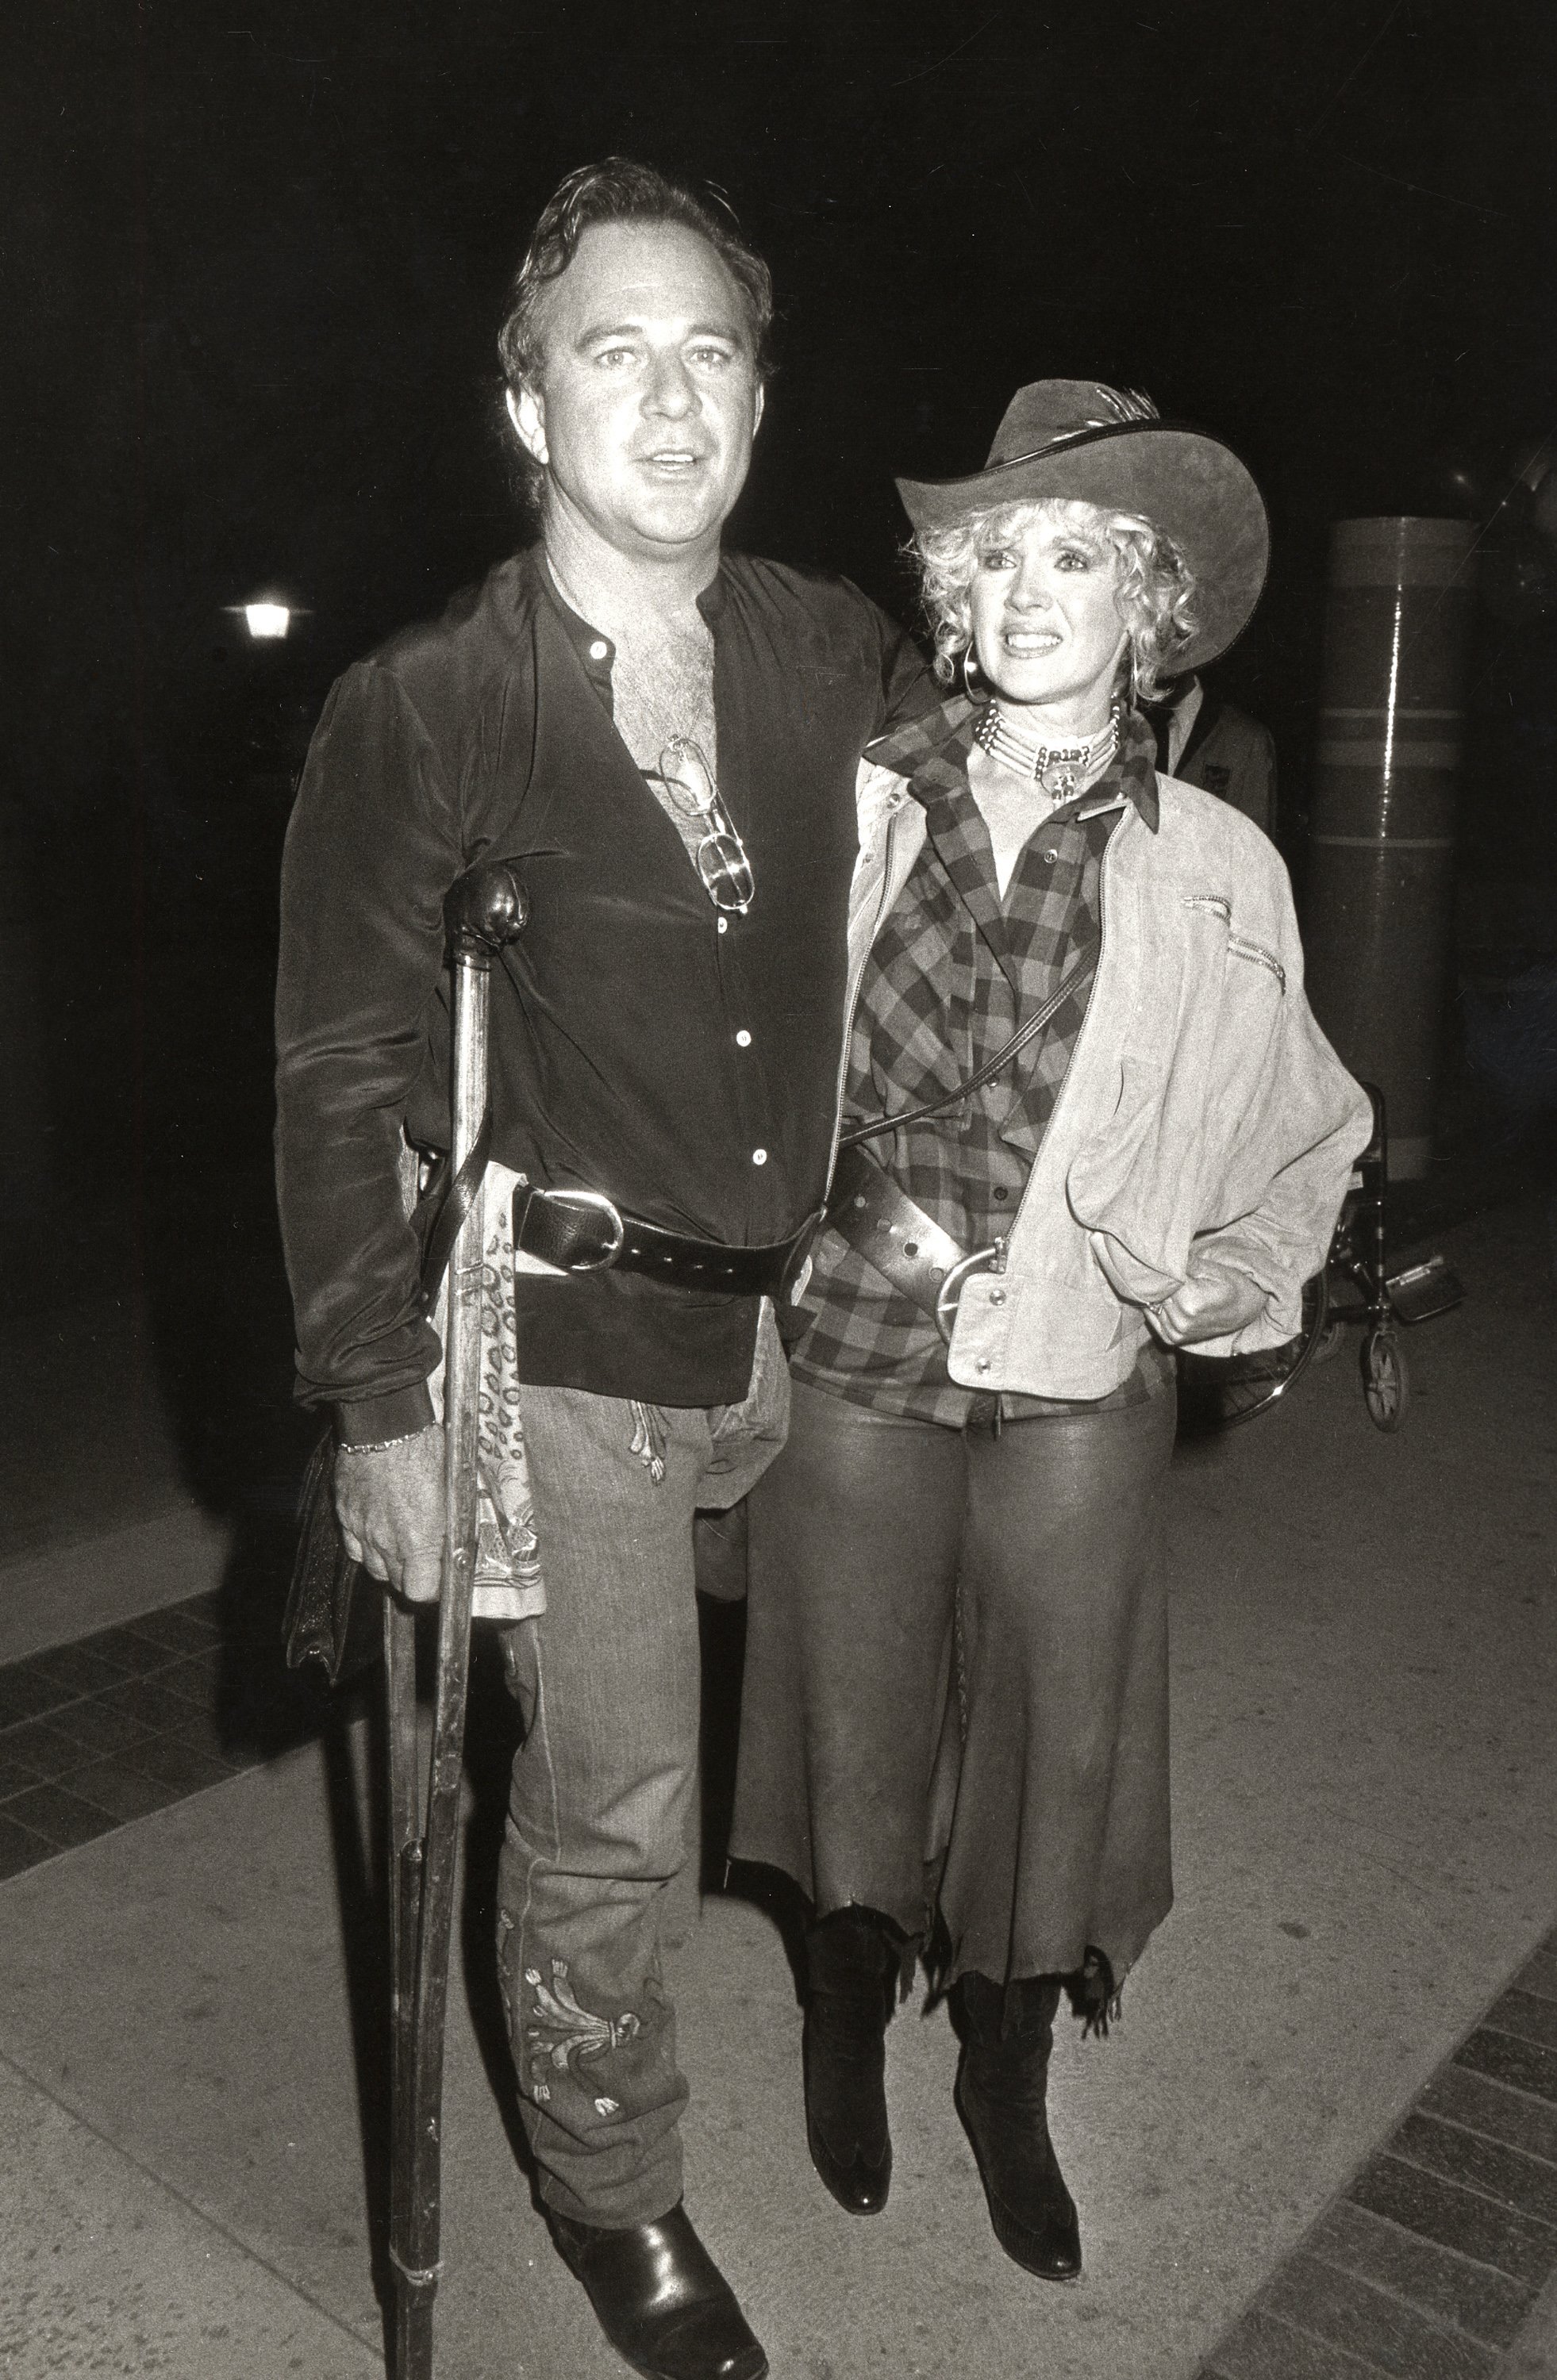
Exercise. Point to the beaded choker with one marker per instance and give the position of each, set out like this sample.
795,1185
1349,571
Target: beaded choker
1058,769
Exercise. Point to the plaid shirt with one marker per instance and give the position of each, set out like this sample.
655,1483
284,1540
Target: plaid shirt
953,973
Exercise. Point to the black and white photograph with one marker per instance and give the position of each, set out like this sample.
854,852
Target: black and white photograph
778,1006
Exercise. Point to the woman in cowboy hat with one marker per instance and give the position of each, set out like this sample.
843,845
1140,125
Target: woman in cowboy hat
1088,1119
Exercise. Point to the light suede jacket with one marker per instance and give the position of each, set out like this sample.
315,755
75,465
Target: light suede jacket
1204,1123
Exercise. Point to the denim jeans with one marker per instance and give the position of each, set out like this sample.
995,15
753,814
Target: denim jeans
603,1783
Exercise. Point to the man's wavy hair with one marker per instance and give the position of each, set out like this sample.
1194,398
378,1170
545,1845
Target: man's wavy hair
1154,588
619,189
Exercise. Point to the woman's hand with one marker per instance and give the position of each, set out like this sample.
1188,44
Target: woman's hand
390,1506
1211,1305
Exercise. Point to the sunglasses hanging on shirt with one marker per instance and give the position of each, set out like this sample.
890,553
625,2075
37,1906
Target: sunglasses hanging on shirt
719,855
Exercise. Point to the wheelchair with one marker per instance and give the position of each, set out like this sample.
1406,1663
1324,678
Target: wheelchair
1355,1289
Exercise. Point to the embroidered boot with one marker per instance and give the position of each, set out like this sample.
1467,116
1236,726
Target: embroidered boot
851,1967
1001,2095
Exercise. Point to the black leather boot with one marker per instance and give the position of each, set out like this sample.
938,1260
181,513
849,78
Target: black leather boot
661,2301
851,1966
1001,2093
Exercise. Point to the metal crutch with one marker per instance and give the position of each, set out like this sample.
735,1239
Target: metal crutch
484,911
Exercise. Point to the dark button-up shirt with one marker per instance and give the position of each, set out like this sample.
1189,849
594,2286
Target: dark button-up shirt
641,1043
953,973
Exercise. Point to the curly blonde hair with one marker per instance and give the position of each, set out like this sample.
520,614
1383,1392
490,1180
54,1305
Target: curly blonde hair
1153,589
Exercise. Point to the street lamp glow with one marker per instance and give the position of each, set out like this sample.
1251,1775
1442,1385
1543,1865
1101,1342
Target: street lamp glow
267,619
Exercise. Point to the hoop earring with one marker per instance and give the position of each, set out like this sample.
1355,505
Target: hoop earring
970,669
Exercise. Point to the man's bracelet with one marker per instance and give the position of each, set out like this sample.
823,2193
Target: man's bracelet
383,1445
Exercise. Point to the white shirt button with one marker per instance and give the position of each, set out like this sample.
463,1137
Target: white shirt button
723,925
760,1157
599,649
982,1365
743,1040
997,1298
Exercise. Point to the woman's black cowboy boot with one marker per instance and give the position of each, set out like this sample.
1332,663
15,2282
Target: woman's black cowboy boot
1001,2092
851,1967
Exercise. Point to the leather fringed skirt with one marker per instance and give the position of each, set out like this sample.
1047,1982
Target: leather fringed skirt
956,1693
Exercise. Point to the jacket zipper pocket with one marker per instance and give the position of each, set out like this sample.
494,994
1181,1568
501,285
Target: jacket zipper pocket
1242,950
1217,904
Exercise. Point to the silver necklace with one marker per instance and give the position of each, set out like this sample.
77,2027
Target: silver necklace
1058,769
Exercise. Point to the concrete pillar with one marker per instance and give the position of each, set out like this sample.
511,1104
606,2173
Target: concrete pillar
1381,875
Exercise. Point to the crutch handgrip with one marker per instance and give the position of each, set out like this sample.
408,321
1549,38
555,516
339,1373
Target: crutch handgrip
485,908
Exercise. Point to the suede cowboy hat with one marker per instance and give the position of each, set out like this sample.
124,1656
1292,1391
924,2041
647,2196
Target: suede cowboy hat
1075,438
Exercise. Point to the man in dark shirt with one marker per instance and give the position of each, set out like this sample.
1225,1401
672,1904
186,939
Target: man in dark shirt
664,740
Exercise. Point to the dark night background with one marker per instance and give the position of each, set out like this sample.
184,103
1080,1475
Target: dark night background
253,268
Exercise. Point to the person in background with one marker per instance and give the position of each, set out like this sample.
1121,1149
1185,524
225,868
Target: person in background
1089,1120
1203,739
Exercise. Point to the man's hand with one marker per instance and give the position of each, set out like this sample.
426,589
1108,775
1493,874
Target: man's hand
390,1507
1211,1305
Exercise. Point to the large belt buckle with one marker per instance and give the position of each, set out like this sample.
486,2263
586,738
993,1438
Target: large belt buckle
947,1296
597,1201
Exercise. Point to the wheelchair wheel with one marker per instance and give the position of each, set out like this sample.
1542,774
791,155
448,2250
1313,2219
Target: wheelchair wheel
1386,1383
1252,1384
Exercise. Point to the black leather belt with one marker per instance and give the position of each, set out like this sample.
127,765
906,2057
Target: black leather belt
906,1246
583,1231
889,1230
